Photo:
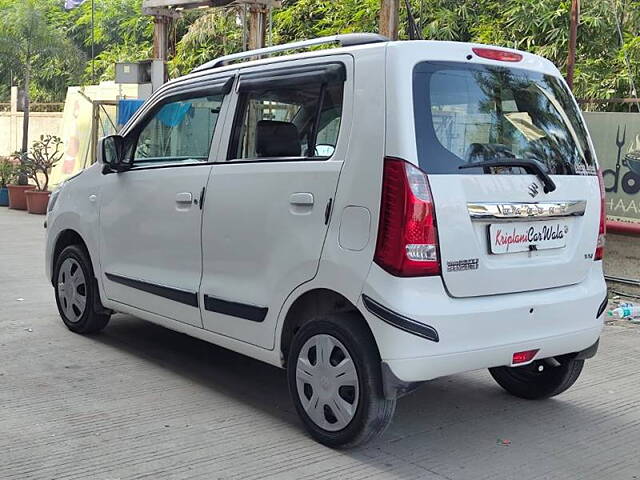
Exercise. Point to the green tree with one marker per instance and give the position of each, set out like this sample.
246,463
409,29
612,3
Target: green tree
28,43
542,27
538,26
121,34
211,33
301,19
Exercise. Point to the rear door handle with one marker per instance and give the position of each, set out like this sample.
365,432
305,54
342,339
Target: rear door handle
184,197
301,198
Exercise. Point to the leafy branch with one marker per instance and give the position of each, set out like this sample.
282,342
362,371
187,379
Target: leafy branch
8,171
42,157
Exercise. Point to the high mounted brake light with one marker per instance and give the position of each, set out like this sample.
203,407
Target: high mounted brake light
495,54
407,244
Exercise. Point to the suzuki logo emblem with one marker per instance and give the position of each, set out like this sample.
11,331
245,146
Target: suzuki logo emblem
533,189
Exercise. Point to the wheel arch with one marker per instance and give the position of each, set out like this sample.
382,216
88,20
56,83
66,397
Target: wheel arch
312,304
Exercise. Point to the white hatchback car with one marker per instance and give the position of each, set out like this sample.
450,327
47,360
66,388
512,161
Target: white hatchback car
368,217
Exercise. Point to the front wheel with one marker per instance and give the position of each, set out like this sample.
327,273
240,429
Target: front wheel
333,370
77,293
540,379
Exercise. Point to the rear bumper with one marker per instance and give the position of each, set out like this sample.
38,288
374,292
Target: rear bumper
476,333
424,368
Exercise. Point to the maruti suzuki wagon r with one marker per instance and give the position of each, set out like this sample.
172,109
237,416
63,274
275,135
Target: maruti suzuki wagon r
368,217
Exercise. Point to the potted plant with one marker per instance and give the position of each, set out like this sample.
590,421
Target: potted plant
7,175
42,157
16,191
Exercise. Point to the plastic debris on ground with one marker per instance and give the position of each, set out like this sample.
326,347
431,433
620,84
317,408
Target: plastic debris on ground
625,311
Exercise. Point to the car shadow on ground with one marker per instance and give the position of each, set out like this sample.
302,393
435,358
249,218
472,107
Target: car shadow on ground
443,419
246,379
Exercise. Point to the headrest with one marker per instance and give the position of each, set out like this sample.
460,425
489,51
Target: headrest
277,139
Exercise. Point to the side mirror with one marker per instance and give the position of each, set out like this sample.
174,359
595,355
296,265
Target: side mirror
110,153
324,150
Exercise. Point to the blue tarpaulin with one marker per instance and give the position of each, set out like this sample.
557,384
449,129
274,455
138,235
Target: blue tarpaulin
173,113
126,109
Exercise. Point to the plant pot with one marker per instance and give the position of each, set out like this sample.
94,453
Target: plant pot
37,201
17,197
4,197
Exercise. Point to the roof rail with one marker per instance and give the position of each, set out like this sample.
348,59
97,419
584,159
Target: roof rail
345,40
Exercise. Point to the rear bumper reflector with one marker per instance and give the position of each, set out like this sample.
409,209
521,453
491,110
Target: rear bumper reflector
524,357
400,321
602,306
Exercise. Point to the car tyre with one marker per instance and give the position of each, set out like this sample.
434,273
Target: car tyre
540,379
334,377
76,292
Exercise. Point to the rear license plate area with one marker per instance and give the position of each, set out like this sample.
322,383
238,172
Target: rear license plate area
515,237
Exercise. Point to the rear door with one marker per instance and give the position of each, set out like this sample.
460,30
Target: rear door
499,230
267,207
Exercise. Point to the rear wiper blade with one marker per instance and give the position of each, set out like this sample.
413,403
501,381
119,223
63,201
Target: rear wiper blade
530,166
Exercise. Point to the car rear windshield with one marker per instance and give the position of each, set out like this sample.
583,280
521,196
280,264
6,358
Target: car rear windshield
474,113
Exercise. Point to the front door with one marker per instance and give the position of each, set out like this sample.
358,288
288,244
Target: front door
267,207
150,215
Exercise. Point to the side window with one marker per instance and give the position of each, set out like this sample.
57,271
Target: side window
180,131
328,132
290,121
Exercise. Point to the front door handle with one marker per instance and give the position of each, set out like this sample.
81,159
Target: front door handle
184,197
301,198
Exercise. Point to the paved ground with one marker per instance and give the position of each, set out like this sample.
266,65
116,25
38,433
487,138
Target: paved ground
139,401
622,259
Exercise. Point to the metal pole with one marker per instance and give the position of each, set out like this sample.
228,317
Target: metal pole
93,53
573,34
245,27
270,26
257,26
160,37
388,25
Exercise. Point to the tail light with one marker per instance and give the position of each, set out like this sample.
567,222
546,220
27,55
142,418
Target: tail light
602,230
407,244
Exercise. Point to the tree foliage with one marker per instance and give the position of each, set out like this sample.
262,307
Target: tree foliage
8,171
123,33
35,51
214,33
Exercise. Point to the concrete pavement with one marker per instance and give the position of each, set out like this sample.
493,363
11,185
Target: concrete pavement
139,401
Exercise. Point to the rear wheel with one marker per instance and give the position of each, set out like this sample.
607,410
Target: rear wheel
76,292
333,369
540,379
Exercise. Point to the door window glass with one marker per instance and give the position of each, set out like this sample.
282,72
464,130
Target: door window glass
293,122
180,131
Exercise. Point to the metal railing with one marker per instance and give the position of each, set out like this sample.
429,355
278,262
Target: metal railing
36,107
